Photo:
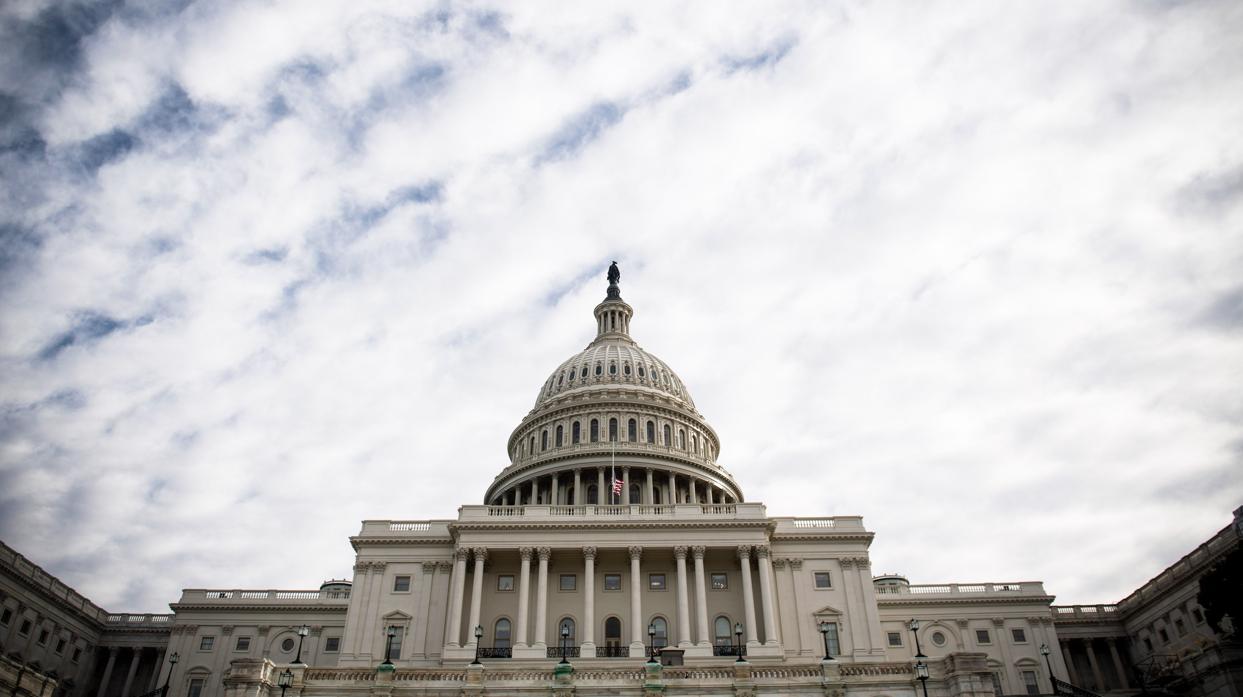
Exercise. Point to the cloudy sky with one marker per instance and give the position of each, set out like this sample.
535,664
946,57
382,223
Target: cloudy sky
972,270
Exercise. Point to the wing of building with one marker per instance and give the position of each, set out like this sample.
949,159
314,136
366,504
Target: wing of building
613,555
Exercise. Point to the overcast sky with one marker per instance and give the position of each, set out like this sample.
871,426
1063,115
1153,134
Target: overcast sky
972,270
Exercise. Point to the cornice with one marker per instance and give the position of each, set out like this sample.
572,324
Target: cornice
611,525
825,537
963,600
234,607
42,593
356,540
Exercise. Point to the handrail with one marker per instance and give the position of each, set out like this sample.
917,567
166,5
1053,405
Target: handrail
1061,687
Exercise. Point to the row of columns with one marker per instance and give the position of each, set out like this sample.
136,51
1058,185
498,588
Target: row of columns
556,493
637,623
1088,646
135,660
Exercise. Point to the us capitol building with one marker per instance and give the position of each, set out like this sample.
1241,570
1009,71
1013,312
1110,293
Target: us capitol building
612,556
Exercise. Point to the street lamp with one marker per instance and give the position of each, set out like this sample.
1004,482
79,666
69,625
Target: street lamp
921,674
913,625
1044,651
172,663
478,638
389,635
738,640
565,636
285,681
651,642
302,632
824,630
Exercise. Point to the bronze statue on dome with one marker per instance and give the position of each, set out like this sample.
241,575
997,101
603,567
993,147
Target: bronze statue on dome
614,274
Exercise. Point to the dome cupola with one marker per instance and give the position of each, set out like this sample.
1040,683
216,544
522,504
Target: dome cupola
613,411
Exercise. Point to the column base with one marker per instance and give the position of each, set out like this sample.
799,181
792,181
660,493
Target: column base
684,644
530,652
638,649
587,649
699,651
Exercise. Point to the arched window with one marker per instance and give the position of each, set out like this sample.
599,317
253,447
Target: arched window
593,494
612,368
560,435
642,373
501,635
695,442
573,374
599,369
661,638
656,495
583,374
651,432
532,450
722,632
612,429
560,379
595,431
543,440
576,432
668,438
632,430
626,369
612,632
682,438
634,493
566,622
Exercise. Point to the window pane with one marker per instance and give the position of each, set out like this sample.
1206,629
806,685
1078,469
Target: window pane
832,634
569,582
612,582
505,582
722,633
1029,681
895,638
401,584
332,644
196,688
656,582
823,580
1020,636
720,582
982,637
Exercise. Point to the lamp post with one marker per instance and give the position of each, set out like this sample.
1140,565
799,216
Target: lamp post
738,641
389,635
1044,651
824,631
921,674
285,681
651,642
565,636
478,638
172,663
302,632
913,625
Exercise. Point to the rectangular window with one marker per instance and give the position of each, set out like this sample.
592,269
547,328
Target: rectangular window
77,653
822,579
832,635
656,582
394,649
401,584
1019,635
612,582
332,644
999,687
43,637
206,643
6,616
1148,644
1198,615
895,638
982,637
1029,682
720,581
505,582
196,688
243,644
60,646
1165,636
24,630
1180,627
569,582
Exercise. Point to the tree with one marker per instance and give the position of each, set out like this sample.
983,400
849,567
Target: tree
1220,590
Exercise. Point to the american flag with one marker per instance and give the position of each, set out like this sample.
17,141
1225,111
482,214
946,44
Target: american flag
617,485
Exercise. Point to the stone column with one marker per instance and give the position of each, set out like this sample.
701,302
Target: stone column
476,593
600,486
531,498
155,672
748,595
554,496
524,595
578,488
701,598
588,647
650,490
625,496
112,659
637,625
1113,652
133,669
684,619
766,595
541,600
1070,663
673,488
1096,669
455,600
690,488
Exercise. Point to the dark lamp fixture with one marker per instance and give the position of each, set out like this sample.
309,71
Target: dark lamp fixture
738,641
304,630
478,638
286,678
913,625
651,630
565,632
921,671
824,632
174,658
1044,649
390,632
478,631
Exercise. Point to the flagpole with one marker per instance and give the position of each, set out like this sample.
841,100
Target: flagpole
613,465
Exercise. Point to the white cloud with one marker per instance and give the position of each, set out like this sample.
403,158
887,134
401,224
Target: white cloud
949,265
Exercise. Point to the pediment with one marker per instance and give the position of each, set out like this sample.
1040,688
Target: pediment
827,610
398,615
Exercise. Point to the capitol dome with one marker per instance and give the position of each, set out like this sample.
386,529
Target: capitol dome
613,411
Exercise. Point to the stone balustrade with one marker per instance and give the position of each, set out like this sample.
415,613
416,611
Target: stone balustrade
200,596
144,620
1101,613
1034,588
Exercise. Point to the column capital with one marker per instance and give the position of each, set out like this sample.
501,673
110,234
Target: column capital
744,552
362,567
589,552
226,630
526,553
444,565
461,553
962,624
847,562
796,563
481,553
999,621
761,551
635,552
698,551
545,553
429,567
679,552
780,563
